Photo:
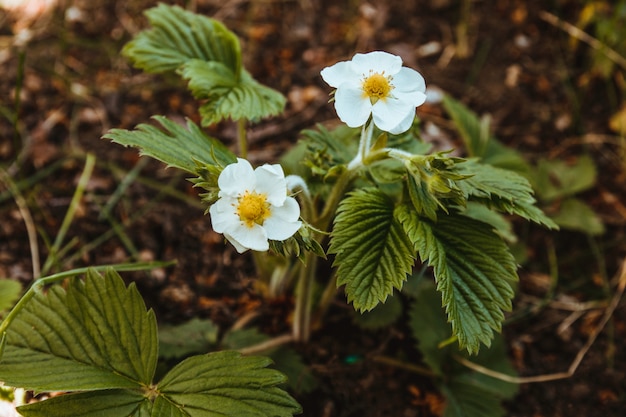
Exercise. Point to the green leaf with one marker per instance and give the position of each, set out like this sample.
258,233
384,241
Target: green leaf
500,223
575,214
559,179
479,141
226,384
176,146
193,336
9,293
502,189
178,36
373,254
229,96
97,335
106,403
468,393
473,268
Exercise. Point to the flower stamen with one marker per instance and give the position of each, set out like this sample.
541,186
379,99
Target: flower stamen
253,208
377,86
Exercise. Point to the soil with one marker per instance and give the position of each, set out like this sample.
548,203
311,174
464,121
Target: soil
526,73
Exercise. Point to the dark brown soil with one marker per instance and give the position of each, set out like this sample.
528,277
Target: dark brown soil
518,68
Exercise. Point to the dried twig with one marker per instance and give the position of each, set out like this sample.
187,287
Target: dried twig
583,36
608,313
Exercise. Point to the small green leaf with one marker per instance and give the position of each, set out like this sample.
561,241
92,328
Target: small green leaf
373,254
176,146
9,293
226,384
575,214
473,268
479,141
502,189
229,96
559,179
178,36
193,336
106,403
97,335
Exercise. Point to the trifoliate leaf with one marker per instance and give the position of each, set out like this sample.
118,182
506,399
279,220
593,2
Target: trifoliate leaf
9,292
95,335
373,254
226,384
177,36
502,189
176,146
479,141
105,403
500,223
229,96
473,268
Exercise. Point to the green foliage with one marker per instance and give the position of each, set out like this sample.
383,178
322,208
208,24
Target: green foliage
62,340
479,141
473,268
225,383
502,189
97,337
9,292
208,55
167,145
178,36
373,254
227,95
193,336
468,393
560,179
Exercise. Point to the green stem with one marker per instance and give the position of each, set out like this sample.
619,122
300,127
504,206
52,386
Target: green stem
71,211
242,139
304,301
41,282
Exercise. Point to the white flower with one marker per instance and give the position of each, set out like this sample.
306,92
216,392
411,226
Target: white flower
376,84
253,206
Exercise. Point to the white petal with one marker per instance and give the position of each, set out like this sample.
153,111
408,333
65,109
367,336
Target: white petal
288,212
377,61
236,178
270,180
254,237
278,230
352,107
338,74
237,245
415,98
404,124
223,214
409,80
388,114
283,222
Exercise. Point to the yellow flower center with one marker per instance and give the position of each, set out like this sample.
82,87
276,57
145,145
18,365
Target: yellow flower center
253,208
377,86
